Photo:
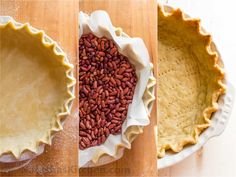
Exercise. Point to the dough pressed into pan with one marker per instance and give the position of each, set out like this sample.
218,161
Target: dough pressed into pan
35,89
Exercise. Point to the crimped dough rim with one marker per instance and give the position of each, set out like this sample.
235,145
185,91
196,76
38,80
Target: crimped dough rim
207,113
70,84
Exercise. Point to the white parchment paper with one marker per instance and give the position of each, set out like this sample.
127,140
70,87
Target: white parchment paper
99,24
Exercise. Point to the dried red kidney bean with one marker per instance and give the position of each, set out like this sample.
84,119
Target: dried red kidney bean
106,86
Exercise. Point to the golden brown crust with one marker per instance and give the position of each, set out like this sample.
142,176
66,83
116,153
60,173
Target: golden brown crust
193,26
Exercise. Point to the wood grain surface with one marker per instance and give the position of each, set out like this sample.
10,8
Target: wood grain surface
58,18
137,18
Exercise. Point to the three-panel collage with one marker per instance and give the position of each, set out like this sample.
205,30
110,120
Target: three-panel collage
128,88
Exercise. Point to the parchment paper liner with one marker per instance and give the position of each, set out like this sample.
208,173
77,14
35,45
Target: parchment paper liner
100,25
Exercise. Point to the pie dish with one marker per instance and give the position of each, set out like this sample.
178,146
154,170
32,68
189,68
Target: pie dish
36,89
190,78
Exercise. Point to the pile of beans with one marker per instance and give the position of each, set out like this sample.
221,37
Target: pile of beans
107,82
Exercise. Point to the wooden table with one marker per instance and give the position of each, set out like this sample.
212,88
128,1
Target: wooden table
138,18
58,19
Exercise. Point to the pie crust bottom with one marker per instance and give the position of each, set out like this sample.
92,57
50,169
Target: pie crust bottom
33,90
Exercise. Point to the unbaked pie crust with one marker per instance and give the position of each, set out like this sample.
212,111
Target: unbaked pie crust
190,81
35,89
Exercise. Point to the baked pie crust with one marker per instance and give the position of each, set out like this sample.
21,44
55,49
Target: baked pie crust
36,89
190,79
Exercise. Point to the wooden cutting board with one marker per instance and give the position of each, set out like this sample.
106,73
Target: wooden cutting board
137,18
58,19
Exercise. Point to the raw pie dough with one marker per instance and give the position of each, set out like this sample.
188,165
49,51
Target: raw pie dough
33,90
189,81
